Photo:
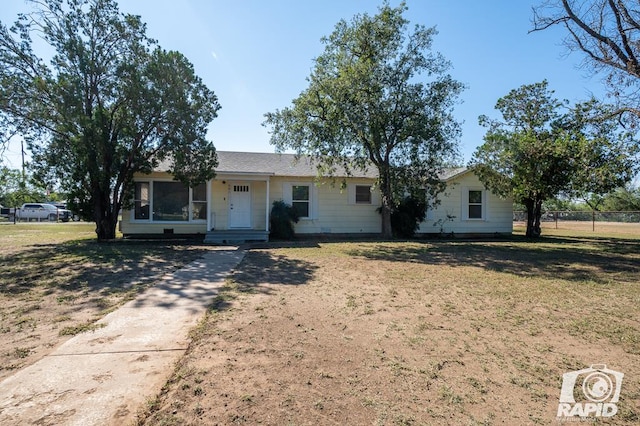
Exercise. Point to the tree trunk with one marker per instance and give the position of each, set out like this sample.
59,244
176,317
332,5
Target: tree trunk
387,201
534,212
537,230
387,206
105,218
106,228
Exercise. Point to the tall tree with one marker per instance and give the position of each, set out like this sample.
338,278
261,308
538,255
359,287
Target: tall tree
623,199
607,32
377,97
541,149
110,103
606,155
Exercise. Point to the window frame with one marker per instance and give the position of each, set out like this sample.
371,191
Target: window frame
368,191
287,196
482,204
150,204
140,200
307,201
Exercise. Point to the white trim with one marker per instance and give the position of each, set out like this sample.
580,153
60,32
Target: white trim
210,218
267,207
287,197
351,194
465,204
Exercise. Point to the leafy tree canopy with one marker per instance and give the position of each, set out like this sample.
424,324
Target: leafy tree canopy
17,188
377,97
109,103
542,148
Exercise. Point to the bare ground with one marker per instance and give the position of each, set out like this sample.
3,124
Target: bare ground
410,333
56,281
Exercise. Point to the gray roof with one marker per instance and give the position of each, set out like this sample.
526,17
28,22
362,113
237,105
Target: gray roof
231,162
452,172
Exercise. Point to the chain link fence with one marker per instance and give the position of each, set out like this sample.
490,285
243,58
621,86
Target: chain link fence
606,221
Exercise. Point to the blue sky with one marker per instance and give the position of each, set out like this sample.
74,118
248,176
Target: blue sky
256,54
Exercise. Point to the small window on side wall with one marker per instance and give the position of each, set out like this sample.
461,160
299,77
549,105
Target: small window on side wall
475,204
363,194
300,199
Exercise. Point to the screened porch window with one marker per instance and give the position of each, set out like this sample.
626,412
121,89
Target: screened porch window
199,202
141,201
170,202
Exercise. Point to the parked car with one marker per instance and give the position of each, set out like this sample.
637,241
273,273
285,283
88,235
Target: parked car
42,211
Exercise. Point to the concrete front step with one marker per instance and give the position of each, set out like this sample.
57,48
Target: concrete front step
235,236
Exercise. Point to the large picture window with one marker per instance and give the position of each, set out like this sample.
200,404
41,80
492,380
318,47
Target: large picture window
300,199
168,201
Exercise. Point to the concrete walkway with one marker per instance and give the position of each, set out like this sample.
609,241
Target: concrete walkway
105,377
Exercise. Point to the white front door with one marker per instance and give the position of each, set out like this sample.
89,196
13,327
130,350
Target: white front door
240,205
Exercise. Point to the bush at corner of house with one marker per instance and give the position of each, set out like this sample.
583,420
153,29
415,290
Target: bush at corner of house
406,218
283,216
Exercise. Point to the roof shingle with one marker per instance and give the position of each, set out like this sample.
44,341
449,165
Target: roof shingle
286,165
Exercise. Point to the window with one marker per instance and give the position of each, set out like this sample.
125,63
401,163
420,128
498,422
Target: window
170,202
300,199
199,202
141,201
475,204
363,194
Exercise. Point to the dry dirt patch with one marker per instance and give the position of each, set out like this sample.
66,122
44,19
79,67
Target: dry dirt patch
56,281
410,333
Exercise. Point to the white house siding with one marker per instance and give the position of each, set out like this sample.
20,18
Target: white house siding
331,209
497,212
334,210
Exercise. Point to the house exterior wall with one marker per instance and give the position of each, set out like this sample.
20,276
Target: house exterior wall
450,216
332,210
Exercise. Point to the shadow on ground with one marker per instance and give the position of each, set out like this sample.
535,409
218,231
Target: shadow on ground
91,266
264,267
575,259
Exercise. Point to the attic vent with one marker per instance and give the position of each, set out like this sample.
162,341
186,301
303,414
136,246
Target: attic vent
240,188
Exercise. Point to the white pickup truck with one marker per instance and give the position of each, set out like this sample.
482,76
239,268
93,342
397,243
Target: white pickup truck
41,212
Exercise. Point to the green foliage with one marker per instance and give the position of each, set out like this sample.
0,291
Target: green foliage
538,151
281,221
16,189
377,97
622,199
406,218
110,104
